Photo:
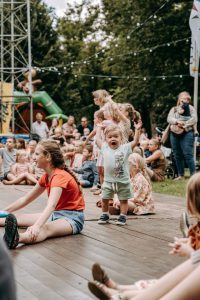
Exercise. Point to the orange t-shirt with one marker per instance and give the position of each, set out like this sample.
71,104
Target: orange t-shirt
71,197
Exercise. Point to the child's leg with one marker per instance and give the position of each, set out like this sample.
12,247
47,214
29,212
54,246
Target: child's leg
124,207
31,178
23,220
167,283
105,205
101,174
104,218
187,289
16,180
56,228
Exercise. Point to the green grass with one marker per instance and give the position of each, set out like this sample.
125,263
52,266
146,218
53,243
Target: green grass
171,187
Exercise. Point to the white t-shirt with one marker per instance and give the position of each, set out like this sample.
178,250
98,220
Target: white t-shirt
41,129
116,163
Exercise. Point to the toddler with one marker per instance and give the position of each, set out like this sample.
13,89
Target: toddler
21,171
116,172
88,174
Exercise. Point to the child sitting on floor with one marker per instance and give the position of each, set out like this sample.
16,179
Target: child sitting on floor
88,172
142,201
21,171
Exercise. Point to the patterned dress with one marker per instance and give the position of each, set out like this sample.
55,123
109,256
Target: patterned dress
142,195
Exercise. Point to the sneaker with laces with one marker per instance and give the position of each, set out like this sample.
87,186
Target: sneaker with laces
104,219
121,220
184,224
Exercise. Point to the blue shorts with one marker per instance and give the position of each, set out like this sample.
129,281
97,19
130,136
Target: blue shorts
74,217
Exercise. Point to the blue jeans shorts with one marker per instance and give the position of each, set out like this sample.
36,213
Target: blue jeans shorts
74,217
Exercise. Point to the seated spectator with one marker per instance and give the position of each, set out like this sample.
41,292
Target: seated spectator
68,154
157,161
40,127
84,124
58,136
68,129
86,133
77,160
88,172
145,146
20,144
54,125
21,171
8,155
31,150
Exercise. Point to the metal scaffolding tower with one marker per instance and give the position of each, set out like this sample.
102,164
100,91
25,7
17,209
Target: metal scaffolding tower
15,50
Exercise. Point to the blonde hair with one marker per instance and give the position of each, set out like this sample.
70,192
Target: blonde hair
136,158
111,128
155,142
19,153
57,159
193,195
180,94
101,95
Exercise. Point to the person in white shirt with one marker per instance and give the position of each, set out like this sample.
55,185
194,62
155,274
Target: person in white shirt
40,127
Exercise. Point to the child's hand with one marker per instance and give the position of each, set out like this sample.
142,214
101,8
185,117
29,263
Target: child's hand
138,125
181,246
116,203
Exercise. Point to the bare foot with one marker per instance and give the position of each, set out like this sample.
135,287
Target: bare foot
7,182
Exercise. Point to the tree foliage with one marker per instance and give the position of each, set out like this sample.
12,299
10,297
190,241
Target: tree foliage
121,27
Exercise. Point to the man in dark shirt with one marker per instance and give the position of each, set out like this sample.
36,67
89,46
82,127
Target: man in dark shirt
84,124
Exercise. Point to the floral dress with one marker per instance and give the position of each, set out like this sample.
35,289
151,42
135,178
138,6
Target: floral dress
142,195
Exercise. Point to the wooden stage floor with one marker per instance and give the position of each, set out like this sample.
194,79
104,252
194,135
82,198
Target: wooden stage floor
60,268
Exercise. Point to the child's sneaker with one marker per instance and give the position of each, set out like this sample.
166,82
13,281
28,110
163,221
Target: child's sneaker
184,224
104,219
121,220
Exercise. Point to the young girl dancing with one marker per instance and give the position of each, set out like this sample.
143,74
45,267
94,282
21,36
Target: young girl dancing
21,171
63,214
116,173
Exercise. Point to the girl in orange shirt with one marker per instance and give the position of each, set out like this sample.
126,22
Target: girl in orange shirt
63,214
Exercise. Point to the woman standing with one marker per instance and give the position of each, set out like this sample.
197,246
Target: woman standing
182,119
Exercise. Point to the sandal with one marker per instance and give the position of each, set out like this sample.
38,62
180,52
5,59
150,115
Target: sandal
11,235
99,290
99,274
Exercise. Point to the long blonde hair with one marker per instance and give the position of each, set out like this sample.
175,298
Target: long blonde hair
137,159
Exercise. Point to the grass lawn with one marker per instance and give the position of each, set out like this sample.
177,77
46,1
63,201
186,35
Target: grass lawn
171,187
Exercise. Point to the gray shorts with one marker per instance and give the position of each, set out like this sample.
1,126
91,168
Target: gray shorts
123,190
74,217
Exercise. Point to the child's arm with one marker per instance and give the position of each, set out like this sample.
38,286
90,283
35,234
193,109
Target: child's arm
25,200
154,156
136,135
116,108
13,169
90,136
98,137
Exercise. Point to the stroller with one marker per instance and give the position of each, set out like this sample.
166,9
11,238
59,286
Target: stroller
171,169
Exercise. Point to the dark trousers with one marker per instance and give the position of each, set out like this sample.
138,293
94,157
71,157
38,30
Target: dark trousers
7,283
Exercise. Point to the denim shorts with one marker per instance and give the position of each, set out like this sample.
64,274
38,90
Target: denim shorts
74,217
